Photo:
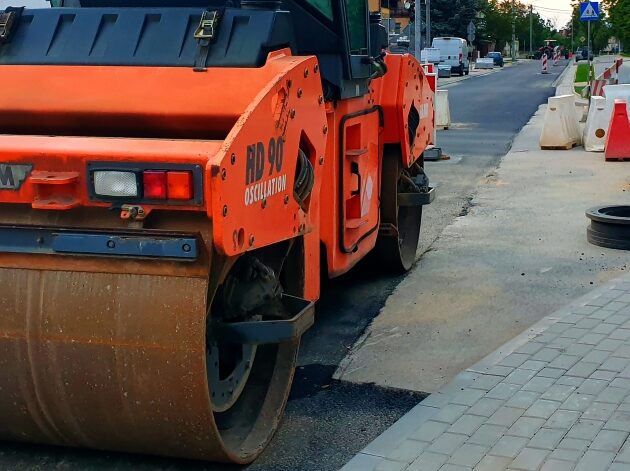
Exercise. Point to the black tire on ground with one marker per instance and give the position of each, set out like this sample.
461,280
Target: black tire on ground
396,251
610,227
256,381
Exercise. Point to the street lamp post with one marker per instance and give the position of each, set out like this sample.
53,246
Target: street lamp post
428,23
531,31
417,29
513,32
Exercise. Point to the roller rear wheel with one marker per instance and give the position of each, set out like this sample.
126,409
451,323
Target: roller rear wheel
400,225
249,385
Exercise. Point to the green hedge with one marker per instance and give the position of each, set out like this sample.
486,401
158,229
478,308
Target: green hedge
581,76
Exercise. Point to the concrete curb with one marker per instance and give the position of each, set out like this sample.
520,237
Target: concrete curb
563,74
377,451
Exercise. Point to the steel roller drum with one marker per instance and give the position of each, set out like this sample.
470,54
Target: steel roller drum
111,354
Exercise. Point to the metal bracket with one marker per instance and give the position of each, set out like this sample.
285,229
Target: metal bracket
271,331
416,199
129,212
144,244
207,25
8,19
205,34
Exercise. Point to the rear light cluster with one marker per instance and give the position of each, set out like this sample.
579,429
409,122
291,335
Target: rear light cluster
147,184
167,185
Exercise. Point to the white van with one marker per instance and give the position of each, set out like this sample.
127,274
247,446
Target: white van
453,52
429,55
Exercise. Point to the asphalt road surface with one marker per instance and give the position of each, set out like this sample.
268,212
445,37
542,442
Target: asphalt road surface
328,421
486,113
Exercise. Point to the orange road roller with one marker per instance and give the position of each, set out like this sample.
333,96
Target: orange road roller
174,177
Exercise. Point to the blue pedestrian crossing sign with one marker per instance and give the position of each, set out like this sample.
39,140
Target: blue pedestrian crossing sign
589,11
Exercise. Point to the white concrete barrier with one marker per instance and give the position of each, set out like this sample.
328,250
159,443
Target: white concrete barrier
596,125
616,92
485,63
442,110
599,115
560,129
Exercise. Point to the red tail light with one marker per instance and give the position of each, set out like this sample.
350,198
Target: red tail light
461,57
180,185
154,185
169,183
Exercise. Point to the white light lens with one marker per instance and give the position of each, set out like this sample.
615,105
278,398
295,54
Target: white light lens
118,184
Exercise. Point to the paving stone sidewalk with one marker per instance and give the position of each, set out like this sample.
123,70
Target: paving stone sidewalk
555,398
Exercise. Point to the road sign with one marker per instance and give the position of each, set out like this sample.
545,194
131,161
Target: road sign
471,31
589,11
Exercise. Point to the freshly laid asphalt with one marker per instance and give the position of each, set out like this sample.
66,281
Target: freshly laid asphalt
327,421
487,112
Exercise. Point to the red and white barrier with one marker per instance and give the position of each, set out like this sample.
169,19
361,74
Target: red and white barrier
431,74
544,64
610,76
556,58
617,141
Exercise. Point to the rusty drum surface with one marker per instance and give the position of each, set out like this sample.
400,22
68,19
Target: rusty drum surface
111,354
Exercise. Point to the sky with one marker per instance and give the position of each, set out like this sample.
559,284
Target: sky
558,11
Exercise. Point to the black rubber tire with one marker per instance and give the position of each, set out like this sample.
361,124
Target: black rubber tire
396,253
610,227
249,424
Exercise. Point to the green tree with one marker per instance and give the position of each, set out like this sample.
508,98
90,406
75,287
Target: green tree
451,17
496,25
619,13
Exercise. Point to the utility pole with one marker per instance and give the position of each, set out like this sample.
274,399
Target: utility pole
588,52
513,32
417,29
531,31
428,23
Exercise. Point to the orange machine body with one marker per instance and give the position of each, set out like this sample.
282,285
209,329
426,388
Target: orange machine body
243,138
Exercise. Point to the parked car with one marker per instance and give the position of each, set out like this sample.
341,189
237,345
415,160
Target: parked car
583,54
453,52
497,57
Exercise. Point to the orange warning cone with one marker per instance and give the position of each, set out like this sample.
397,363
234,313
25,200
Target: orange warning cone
618,141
